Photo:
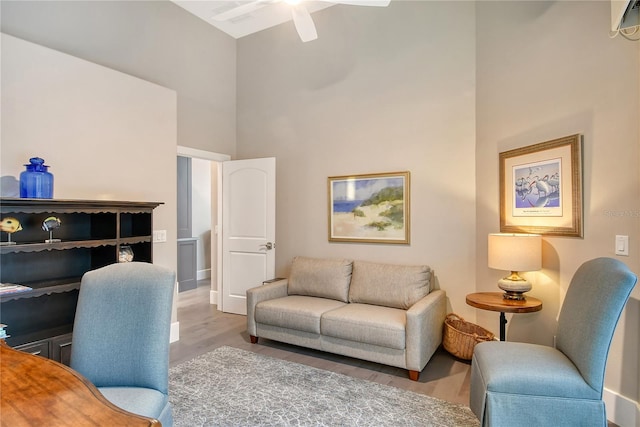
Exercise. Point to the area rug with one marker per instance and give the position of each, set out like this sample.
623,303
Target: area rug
233,387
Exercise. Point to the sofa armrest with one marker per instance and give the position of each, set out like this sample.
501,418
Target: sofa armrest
425,320
263,293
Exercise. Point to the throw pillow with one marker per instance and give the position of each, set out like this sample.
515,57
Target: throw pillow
324,278
389,285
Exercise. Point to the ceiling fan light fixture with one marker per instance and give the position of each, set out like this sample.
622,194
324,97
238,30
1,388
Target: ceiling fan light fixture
301,16
303,23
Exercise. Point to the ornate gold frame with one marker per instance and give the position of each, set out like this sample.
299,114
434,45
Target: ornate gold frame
565,154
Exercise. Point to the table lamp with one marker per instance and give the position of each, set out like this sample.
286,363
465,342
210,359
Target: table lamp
515,252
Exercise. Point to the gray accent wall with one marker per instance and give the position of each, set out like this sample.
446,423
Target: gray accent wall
184,197
380,90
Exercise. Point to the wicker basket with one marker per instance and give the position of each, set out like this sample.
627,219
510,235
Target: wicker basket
460,336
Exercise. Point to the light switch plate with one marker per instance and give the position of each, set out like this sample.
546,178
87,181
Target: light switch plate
159,236
622,245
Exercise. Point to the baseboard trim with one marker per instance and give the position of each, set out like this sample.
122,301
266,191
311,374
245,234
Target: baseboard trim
620,409
213,297
174,334
203,274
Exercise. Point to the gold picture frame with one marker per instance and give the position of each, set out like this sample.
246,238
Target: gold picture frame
541,188
370,208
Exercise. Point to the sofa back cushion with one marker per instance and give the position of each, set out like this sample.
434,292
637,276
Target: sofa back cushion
398,286
324,278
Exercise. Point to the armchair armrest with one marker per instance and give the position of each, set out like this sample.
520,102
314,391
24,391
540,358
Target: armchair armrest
263,293
425,320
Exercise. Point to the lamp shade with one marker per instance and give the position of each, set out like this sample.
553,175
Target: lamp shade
515,252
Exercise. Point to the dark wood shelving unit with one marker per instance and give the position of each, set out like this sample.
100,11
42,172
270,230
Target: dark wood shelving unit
91,234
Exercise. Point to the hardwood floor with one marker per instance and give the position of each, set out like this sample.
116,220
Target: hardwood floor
204,328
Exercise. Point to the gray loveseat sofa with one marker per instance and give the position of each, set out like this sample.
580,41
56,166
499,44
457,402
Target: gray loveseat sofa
382,313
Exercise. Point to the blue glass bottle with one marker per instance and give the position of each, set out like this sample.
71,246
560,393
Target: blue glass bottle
36,182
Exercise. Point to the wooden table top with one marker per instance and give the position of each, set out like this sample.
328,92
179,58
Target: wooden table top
493,301
35,391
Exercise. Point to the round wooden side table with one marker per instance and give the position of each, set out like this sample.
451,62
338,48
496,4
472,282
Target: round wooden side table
493,301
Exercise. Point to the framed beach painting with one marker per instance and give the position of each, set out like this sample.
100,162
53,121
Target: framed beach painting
371,208
541,188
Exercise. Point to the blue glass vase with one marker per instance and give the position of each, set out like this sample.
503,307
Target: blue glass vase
36,182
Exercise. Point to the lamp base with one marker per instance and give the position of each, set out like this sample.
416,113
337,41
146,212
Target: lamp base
514,288
514,296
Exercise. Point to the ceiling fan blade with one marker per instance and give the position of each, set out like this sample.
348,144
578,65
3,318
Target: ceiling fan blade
378,3
303,22
241,10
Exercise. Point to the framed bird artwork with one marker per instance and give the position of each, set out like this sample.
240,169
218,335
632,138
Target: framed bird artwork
541,188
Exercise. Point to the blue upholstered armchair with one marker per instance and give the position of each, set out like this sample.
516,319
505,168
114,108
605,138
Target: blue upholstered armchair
121,336
520,384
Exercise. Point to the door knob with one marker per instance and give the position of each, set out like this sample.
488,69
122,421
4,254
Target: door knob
268,246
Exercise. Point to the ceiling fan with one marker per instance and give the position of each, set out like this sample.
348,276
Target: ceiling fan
300,14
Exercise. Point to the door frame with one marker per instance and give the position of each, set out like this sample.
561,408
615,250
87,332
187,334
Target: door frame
219,158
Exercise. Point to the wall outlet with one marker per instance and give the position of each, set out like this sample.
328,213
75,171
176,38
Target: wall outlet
159,236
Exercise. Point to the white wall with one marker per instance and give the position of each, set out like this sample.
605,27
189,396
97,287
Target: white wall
157,41
547,70
381,90
105,135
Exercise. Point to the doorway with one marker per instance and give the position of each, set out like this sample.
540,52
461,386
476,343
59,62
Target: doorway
204,214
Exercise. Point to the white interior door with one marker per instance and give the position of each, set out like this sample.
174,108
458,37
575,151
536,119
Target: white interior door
248,228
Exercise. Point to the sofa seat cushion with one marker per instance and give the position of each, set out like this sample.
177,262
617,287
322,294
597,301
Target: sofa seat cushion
369,324
323,278
389,285
297,312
